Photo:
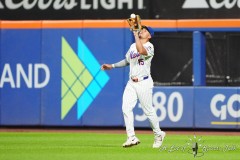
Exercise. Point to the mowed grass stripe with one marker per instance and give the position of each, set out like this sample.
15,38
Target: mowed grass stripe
99,146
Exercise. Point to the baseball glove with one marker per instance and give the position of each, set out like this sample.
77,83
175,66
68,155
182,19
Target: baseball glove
135,23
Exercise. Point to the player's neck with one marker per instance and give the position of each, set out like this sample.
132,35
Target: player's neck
143,41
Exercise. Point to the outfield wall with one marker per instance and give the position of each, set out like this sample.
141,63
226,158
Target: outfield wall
50,76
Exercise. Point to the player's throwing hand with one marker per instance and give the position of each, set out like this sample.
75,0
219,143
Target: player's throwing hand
106,67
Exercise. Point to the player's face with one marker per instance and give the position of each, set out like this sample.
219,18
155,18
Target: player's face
144,34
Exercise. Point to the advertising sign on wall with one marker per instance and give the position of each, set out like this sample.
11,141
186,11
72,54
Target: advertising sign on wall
23,75
71,9
195,9
218,108
117,9
50,76
173,106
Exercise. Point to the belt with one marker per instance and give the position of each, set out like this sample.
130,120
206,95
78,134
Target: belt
139,79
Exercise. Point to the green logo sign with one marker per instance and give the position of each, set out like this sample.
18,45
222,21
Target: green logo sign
82,78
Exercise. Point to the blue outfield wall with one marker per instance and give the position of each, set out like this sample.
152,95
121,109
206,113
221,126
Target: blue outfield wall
0,72
219,107
52,77
20,102
173,105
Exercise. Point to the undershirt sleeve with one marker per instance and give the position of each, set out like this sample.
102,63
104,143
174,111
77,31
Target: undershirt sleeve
121,63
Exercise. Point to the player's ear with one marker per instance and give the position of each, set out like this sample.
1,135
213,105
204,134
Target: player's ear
149,36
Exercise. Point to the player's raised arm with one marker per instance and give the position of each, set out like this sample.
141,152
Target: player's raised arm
143,37
139,43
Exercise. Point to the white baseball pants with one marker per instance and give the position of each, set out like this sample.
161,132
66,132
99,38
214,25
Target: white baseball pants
141,91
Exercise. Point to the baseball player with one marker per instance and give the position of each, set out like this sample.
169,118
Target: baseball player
139,86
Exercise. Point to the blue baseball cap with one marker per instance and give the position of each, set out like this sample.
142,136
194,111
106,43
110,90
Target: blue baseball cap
149,29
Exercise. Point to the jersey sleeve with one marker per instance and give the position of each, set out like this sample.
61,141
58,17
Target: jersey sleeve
127,57
149,48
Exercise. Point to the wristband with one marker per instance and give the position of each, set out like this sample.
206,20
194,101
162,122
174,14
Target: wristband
113,66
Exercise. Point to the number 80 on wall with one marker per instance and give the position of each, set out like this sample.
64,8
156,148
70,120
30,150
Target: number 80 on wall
171,106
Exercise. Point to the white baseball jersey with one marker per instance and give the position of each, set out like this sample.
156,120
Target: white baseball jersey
140,65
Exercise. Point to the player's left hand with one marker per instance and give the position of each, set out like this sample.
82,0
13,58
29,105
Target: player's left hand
136,33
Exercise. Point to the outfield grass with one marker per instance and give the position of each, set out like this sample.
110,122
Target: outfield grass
97,146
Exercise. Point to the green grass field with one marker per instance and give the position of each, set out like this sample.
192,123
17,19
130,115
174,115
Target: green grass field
98,146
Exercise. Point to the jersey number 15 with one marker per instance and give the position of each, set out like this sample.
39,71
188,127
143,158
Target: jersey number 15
140,61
